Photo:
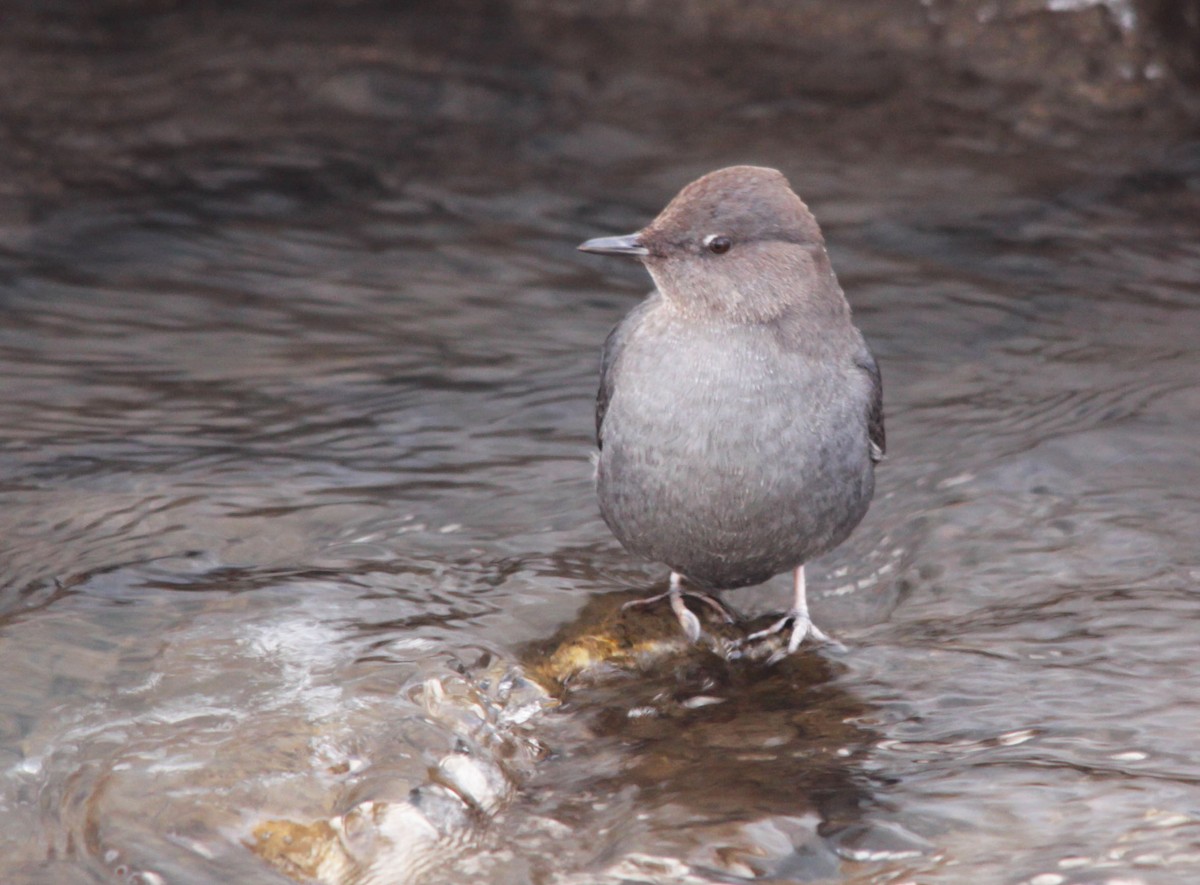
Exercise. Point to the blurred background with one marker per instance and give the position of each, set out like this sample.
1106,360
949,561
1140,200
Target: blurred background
301,573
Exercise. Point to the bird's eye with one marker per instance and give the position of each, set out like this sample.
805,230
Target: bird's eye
718,244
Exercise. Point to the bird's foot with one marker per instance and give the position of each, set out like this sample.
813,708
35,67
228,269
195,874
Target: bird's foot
687,619
802,626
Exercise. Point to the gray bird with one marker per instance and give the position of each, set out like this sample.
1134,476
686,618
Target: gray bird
740,413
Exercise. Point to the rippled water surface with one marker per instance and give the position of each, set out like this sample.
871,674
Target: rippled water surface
302,574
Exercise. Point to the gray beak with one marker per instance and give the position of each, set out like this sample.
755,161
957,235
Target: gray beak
626,245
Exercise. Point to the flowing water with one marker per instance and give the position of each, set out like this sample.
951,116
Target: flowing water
302,573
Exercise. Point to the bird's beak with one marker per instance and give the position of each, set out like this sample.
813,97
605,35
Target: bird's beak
626,245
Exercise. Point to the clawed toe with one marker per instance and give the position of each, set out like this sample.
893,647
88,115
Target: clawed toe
649,600
802,626
687,619
772,630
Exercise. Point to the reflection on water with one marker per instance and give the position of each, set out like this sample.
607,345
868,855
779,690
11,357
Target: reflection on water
301,573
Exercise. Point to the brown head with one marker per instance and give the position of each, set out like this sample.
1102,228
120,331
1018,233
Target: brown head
737,243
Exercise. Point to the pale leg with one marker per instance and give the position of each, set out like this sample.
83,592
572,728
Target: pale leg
802,624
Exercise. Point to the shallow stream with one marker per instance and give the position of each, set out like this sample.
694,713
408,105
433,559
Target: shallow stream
301,572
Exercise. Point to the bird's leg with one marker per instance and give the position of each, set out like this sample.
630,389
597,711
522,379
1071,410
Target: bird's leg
802,624
688,621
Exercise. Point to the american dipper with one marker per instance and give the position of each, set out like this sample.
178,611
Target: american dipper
740,413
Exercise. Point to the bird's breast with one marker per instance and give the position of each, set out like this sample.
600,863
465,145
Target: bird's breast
720,445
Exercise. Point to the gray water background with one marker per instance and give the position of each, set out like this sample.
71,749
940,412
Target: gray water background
299,364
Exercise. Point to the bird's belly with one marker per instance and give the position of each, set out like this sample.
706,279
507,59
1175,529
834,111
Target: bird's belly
731,489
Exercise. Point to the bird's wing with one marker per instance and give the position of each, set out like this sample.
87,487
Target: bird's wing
610,358
875,431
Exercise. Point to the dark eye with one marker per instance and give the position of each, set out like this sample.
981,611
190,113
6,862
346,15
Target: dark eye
718,244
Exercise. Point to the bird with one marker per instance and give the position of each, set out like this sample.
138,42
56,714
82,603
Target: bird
739,418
